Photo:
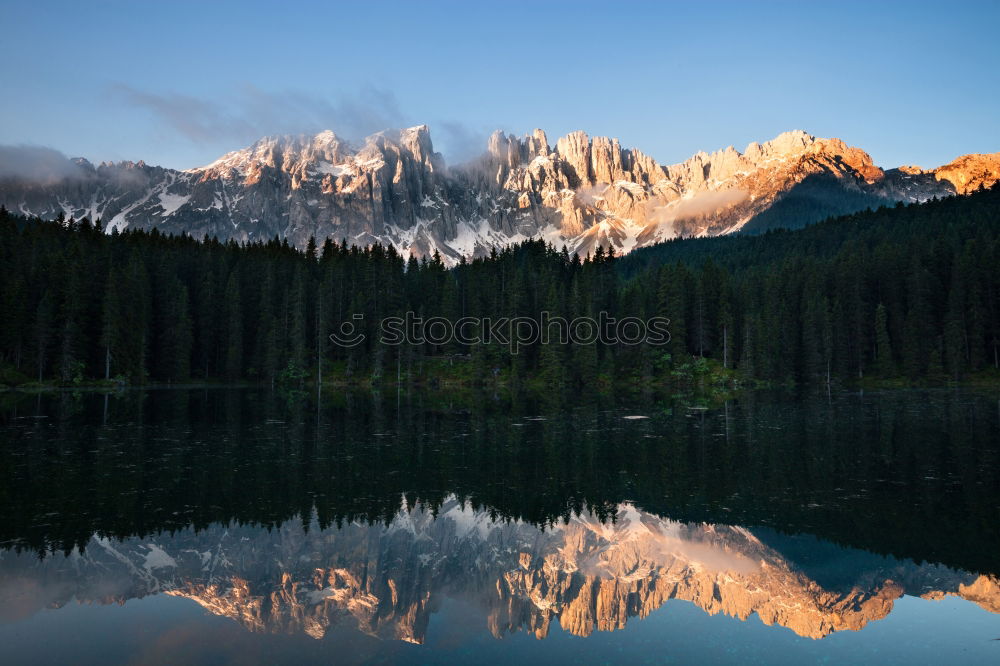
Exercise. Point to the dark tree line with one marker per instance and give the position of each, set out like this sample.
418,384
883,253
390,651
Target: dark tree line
909,291
143,306
124,465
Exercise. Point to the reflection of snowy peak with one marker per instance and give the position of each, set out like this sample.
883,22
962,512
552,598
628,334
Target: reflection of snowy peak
387,580
394,189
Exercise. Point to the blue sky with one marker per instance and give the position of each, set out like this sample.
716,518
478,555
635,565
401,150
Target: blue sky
179,83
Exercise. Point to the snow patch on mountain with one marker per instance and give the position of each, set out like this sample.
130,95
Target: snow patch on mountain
583,192
171,202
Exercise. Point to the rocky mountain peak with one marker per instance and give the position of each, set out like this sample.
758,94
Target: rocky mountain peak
785,144
537,144
970,172
394,189
83,163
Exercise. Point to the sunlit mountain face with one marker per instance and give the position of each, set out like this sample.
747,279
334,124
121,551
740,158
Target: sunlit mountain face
580,192
561,515
588,574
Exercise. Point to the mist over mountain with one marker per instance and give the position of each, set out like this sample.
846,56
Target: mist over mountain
393,188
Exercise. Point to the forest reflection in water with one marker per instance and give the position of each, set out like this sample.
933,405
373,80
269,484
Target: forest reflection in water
816,513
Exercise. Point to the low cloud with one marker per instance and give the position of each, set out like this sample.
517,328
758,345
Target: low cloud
459,142
36,164
701,205
589,194
712,556
708,203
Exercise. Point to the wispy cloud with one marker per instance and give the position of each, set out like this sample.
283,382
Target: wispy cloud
249,113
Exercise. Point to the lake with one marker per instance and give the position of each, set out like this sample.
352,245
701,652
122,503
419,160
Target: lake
249,526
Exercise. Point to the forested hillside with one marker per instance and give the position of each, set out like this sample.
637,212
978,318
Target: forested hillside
906,292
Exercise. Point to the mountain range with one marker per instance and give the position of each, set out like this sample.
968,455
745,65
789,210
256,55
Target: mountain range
394,189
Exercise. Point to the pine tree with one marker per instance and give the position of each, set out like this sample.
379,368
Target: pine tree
955,351
44,316
552,361
136,319
883,348
111,321
72,331
298,304
234,329
267,356
177,334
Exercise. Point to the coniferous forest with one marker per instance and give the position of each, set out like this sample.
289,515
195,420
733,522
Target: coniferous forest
910,292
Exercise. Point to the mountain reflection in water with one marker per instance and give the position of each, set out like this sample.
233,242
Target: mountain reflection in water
386,580
815,514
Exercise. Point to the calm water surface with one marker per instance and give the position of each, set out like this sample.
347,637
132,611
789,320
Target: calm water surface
244,526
